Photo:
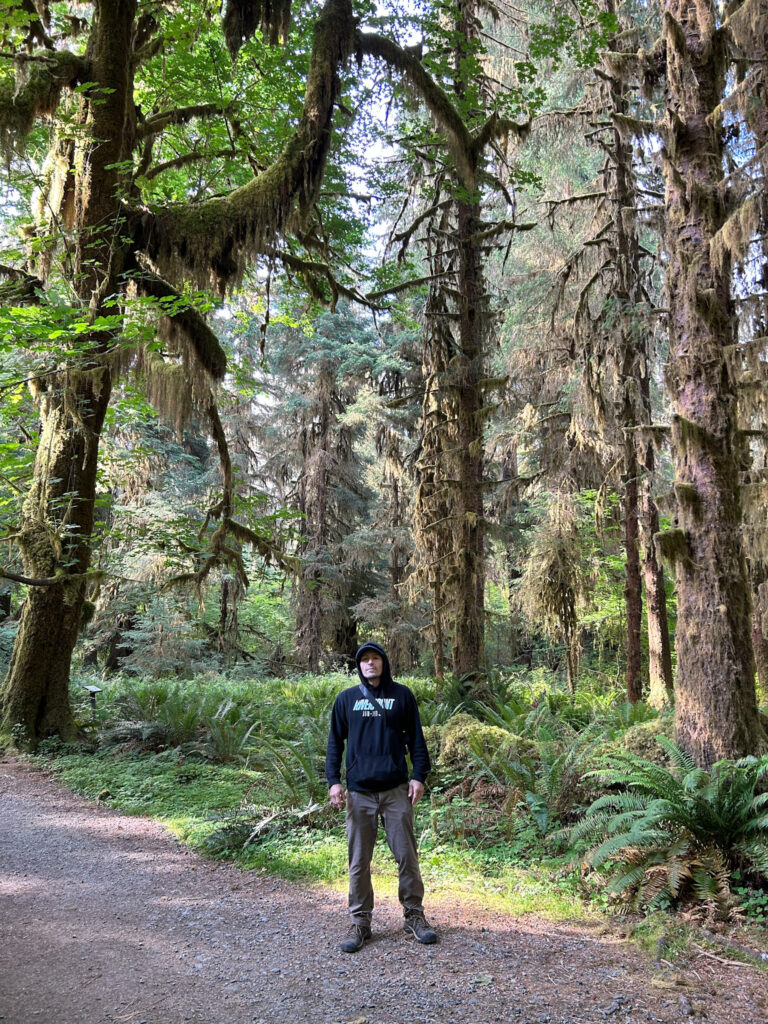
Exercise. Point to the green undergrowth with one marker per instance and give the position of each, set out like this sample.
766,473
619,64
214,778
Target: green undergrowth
187,797
530,806
192,800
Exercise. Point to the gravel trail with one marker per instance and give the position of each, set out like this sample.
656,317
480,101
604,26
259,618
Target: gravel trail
106,918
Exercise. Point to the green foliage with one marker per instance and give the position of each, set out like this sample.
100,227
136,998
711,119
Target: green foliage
752,901
580,31
665,834
227,733
549,780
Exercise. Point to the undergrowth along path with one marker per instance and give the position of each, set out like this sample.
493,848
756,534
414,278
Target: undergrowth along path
106,918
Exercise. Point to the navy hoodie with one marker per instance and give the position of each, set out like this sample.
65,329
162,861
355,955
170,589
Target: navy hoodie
376,739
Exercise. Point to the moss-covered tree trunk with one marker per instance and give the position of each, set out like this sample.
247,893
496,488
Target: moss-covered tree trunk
633,591
659,647
632,404
313,505
57,517
468,635
716,706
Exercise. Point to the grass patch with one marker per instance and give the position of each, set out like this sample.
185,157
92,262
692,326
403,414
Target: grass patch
188,798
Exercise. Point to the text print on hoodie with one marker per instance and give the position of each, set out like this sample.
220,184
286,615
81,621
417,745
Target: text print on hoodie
376,735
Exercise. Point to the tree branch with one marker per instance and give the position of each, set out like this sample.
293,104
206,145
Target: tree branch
46,581
497,127
182,115
214,241
189,322
183,160
21,287
437,100
22,102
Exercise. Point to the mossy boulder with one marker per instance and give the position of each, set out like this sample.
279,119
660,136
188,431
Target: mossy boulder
641,739
462,734
432,737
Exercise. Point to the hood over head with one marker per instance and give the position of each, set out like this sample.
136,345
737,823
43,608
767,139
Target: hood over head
386,673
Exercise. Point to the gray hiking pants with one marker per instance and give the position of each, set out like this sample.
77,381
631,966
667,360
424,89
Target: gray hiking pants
363,812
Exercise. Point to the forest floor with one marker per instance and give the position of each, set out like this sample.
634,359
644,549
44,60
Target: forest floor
107,918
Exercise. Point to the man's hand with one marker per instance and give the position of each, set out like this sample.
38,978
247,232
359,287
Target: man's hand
415,791
338,796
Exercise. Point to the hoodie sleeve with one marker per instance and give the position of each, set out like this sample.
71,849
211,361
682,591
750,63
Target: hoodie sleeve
336,738
416,742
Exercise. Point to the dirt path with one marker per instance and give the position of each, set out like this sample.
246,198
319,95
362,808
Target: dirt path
107,918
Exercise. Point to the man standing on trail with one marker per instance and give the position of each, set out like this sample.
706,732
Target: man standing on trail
379,721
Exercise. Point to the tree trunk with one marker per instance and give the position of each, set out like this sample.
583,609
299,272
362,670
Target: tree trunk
314,484
633,592
468,632
57,518
629,341
716,706
660,690
759,630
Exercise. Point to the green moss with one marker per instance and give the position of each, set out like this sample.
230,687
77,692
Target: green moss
673,546
641,739
462,733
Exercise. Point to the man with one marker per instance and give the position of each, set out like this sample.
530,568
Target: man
379,721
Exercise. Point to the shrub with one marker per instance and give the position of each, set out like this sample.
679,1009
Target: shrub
549,777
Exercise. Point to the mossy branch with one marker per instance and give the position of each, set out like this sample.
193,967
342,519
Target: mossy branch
498,128
190,323
214,241
460,141
34,94
182,115
28,581
629,127
219,552
184,160
20,287
312,271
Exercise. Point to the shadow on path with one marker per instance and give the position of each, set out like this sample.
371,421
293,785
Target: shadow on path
106,918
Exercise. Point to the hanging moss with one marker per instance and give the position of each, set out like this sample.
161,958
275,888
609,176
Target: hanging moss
630,128
689,434
186,326
243,17
732,240
34,92
748,21
168,389
673,547
688,496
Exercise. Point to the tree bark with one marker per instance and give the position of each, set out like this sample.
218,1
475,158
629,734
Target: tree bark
633,406
468,633
716,713
633,591
660,690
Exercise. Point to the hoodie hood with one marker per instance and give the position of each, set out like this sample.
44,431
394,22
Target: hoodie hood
386,672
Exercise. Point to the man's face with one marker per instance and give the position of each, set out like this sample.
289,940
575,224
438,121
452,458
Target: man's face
371,665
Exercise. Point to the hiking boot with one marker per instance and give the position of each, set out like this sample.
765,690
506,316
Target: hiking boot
416,925
357,936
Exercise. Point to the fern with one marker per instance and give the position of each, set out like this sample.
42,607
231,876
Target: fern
678,832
